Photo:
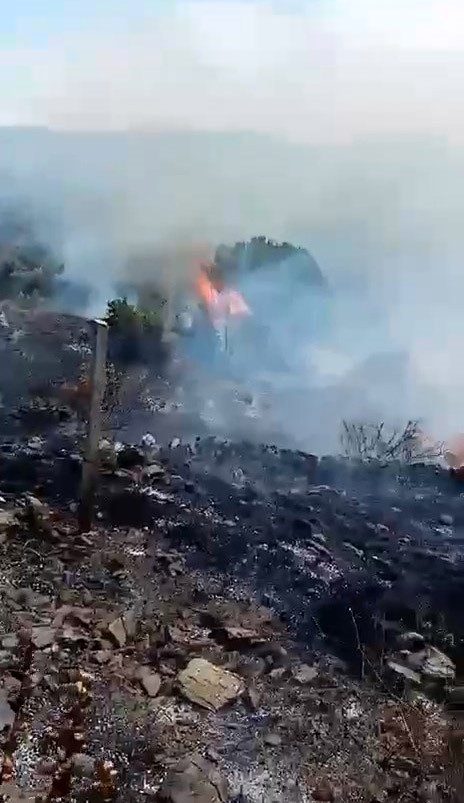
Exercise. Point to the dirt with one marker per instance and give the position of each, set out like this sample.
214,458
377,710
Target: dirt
242,624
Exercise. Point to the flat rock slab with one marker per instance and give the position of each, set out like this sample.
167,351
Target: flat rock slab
43,637
193,780
305,674
7,715
150,681
208,685
7,519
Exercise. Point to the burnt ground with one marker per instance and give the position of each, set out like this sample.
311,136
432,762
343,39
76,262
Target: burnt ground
326,599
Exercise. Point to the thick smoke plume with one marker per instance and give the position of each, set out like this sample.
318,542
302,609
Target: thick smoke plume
356,154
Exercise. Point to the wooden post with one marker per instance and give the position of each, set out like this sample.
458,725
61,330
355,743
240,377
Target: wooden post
91,454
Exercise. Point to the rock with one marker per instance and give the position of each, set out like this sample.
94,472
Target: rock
153,470
10,641
279,673
254,698
209,686
43,637
193,780
102,656
150,681
236,637
7,660
323,792
212,755
305,674
83,765
11,685
438,666
129,620
272,739
446,519
7,520
117,632
411,641
405,671
7,715
148,441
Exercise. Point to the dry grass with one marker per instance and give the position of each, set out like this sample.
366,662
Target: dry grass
364,441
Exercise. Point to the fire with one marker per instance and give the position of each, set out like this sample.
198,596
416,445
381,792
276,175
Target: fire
220,303
206,290
454,451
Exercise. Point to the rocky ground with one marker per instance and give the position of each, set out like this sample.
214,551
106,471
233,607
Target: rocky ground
242,623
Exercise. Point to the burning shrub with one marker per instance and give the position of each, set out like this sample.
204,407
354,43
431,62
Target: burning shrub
363,441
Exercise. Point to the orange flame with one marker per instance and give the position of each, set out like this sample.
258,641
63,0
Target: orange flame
206,290
220,303
454,451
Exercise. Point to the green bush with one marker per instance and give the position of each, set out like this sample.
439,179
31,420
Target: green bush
135,333
126,318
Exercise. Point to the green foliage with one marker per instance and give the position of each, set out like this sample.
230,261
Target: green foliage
261,252
21,279
28,269
126,318
135,333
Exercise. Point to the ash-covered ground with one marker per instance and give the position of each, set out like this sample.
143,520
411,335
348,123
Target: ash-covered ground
243,623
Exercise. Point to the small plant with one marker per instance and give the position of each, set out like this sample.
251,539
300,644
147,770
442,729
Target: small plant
363,441
127,318
133,331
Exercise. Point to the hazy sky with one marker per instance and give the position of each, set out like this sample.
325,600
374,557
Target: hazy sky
310,69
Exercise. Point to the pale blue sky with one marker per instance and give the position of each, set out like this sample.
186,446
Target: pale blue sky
36,20
330,69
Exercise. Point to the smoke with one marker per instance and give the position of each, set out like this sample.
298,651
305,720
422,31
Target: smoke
354,149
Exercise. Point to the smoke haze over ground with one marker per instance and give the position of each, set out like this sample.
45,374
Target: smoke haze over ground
353,148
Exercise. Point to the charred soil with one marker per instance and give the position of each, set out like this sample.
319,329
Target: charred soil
243,623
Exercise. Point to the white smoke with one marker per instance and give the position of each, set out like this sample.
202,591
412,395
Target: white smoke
354,149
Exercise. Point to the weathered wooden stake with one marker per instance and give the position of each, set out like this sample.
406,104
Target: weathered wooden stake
91,454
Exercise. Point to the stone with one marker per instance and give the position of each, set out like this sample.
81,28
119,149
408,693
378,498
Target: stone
36,507
238,636
405,671
208,685
254,698
11,685
148,441
7,715
7,519
193,780
102,656
272,739
150,681
43,637
10,641
305,674
323,792
438,666
279,673
446,519
411,641
154,470
129,620
83,766
117,632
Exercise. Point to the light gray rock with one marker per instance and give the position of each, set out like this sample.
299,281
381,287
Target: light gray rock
193,780
208,685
